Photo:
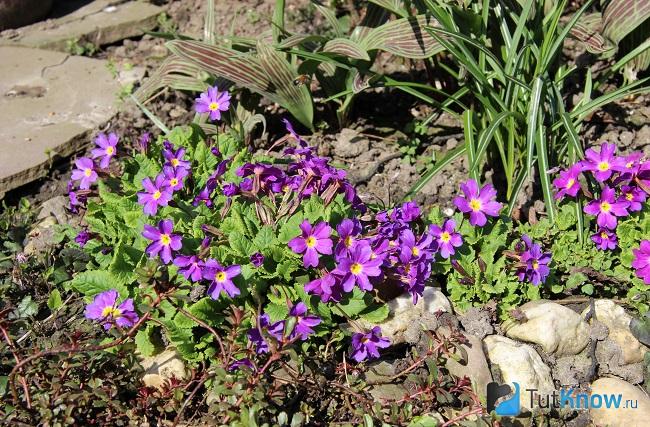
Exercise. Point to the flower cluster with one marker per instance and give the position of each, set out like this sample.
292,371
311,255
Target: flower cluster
533,263
624,183
641,262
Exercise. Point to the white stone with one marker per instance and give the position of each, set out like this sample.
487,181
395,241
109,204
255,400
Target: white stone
639,416
558,329
475,367
618,322
406,321
519,363
163,367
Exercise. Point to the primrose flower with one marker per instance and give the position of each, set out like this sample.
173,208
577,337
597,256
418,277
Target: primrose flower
304,324
105,310
446,237
567,183
604,163
312,242
230,189
174,177
357,267
641,262
264,323
190,266
607,208
221,279
412,249
245,362
156,194
213,102
478,203
257,259
605,239
163,241
348,230
82,238
326,287
106,148
85,173
634,196
534,263
365,346
143,142
174,158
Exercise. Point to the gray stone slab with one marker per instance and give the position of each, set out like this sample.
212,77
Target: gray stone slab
50,102
99,22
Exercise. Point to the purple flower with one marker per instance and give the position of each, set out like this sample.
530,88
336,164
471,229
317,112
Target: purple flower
143,142
104,309
85,173
641,262
312,242
174,177
257,259
106,148
175,158
348,230
602,164
156,194
533,263
567,183
212,101
82,238
326,287
357,267
607,208
605,239
230,189
477,203
415,250
221,278
304,324
447,238
365,346
163,241
634,196
263,323
245,362
191,267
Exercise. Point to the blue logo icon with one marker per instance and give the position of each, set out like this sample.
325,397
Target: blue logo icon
509,407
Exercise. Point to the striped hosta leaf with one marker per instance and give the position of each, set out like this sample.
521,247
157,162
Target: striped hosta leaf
174,72
298,39
404,37
359,82
266,73
281,74
394,6
330,16
373,18
347,48
621,17
588,30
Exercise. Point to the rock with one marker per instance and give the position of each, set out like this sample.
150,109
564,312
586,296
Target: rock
637,416
163,367
16,13
55,207
406,321
49,103
572,370
42,236
350,144
519,363
131,76
382,387
99,22
477,321
474,367
618,322
558,329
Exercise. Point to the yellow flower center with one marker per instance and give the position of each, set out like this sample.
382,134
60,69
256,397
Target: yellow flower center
445,237
110,150
603,166
113,312
603,235
310,241
173,182
220,277
88,172
165,239
156,195
213,106
629,196
475,205
364,340
356,268
605,207
535,265
415,251
174,162
348,241
570,183
629,165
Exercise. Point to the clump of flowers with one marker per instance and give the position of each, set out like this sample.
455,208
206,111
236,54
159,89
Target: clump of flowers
366,346
641,262
533,265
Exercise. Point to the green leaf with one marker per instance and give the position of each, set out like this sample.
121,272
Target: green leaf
621,17
241,244
404,37
54,301
346,47
290,229
125,260
92,282
143,342
376,315
27,307
265,238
